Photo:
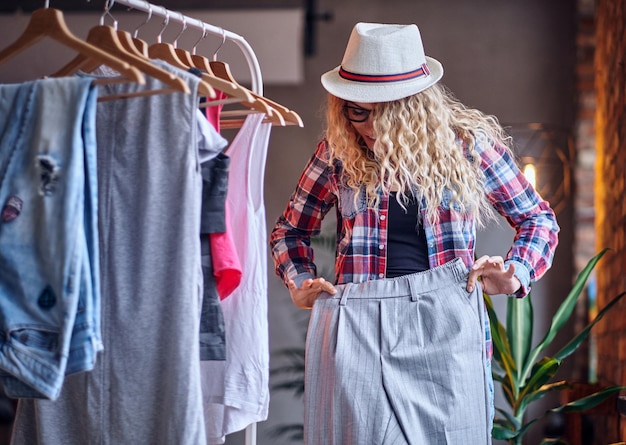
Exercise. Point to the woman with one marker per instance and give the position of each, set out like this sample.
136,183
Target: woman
398,349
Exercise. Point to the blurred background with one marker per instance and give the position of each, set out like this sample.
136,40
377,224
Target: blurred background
529,62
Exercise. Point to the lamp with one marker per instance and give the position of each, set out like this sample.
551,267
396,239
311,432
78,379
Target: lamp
545,153
530,172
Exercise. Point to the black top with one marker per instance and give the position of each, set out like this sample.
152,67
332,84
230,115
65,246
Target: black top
406,240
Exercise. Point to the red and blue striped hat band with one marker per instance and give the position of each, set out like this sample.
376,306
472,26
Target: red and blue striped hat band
420,72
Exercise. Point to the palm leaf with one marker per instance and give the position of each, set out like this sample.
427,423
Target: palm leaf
574,343
564,311
542,372
587,402
502,350
509,419
579,405
538,394
503,430
520,332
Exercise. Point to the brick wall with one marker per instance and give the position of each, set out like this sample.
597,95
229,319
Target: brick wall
584,174
610,200
585,247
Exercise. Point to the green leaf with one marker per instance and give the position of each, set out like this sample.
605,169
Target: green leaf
511,420
502,350
507,389
501,432
587,402
578,405
538,394
524,429
574,343
519,325
543,371
564,311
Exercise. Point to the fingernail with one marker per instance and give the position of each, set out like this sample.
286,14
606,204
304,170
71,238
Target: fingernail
470,288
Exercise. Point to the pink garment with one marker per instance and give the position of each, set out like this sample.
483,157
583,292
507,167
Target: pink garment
226,267
213,112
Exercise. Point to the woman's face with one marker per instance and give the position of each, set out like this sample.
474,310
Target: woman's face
360,116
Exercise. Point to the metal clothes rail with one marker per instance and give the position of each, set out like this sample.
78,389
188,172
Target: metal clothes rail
244,46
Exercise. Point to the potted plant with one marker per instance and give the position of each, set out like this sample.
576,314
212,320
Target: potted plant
523,376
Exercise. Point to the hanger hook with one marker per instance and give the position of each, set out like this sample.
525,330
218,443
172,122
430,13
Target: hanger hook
107,11
166,20
204,34
136,32
184,20
221,44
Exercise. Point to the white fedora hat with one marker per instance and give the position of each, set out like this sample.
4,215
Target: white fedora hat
382,63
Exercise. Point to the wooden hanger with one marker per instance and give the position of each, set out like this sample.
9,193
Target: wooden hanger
254,105
124,37
49,22
232,90
141,45
107,38
131,45
167,53
183,55
184,60
280,116
287,117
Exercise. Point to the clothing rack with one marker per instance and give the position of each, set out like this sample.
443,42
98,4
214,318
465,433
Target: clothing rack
255,73
244,46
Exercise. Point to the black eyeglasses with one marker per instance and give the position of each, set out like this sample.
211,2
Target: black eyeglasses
356,114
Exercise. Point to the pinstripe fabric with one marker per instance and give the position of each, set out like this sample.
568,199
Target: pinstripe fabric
398,361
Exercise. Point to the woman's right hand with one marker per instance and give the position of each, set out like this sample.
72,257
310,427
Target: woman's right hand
305,296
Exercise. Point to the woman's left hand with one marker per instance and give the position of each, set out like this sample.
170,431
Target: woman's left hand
495,279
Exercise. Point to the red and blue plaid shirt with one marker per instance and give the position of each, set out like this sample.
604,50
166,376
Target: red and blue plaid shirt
362,231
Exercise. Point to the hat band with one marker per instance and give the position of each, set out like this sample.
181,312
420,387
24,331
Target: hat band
374,78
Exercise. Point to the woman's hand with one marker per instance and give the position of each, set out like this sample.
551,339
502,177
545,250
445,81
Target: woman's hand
305,296
495,278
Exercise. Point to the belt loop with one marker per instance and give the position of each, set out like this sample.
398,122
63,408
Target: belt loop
344,294
412,288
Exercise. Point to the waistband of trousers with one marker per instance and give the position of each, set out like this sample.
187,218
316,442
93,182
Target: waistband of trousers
450,273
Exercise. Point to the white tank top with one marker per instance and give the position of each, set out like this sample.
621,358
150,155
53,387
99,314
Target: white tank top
236,392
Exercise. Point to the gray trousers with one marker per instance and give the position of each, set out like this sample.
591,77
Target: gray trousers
398,361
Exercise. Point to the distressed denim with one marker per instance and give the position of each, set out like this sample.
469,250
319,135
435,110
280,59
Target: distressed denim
49,270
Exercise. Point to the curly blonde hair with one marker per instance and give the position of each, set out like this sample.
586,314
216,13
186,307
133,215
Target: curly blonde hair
425,148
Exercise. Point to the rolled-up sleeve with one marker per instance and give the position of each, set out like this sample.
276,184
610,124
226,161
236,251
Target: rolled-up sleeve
532,218
290,239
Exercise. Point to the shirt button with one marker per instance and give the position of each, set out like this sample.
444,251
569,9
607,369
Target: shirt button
381,275
381,246
383,217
